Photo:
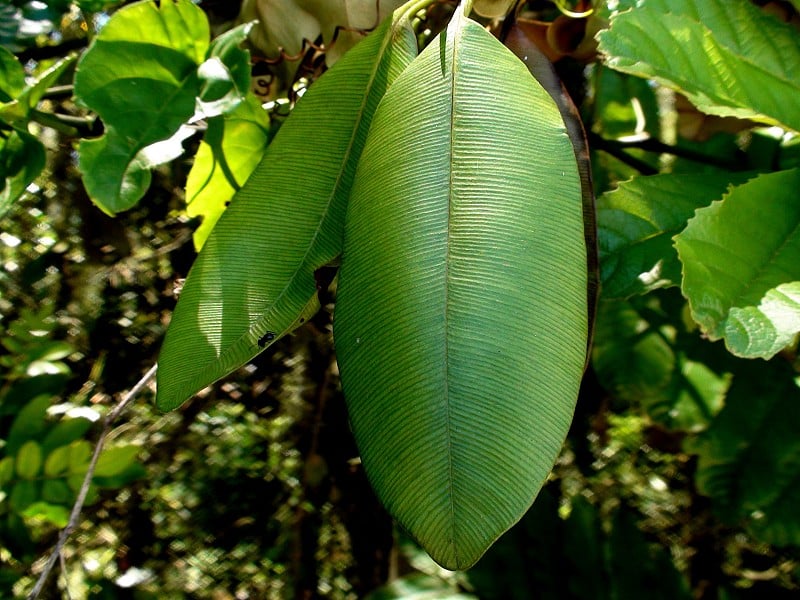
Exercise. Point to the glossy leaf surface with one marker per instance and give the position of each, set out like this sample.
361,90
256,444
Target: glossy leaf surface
741,265
728,57
254,280
461,317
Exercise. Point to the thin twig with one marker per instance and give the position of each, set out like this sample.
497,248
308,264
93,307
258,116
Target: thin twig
654,145
67,124
59,91
63,563
617,152
108,421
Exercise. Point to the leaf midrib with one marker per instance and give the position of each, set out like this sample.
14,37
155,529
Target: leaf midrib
457,29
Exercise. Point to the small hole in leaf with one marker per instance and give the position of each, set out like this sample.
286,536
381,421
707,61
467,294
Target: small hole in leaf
267,337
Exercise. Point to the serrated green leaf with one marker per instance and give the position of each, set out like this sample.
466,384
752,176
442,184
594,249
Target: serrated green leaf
22,158
637,221
748,459
461,348
741,265
233,145
140,76
29,460
728,57
254,280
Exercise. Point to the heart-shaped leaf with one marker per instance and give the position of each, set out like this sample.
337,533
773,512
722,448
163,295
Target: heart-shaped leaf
140,75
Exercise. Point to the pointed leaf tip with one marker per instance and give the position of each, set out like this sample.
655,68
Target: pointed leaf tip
461,316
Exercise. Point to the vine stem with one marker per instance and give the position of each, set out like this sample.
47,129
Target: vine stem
108,421
615,150
411,8
66,124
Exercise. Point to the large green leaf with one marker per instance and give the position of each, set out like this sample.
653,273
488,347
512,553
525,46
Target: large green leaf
741,265
233,145
254,280
461,317
525,49
727,56
141,77
749,459
637,221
